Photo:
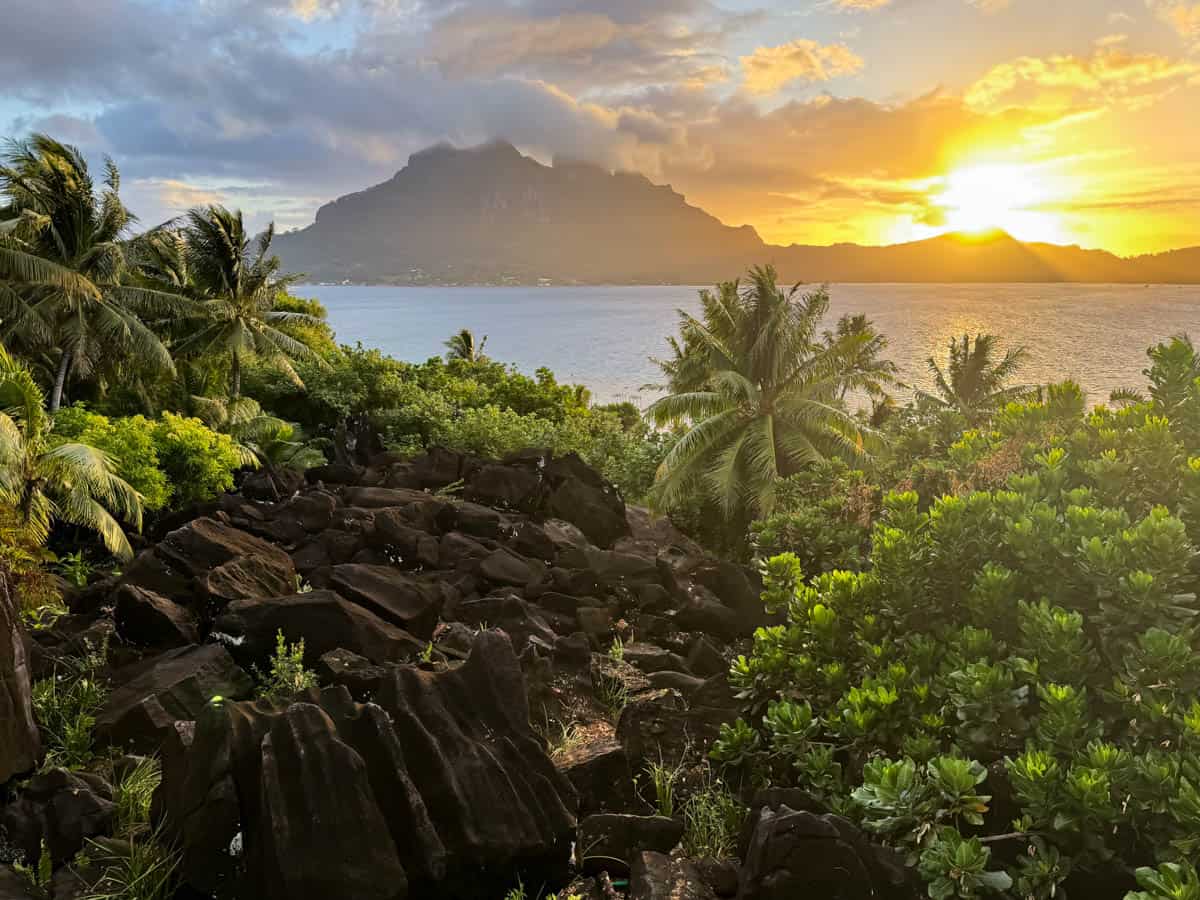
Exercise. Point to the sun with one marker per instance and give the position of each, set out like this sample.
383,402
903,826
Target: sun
989,196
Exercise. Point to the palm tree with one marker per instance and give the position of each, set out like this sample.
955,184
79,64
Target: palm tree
867,370
974,384
462,345
757,391
43,481
95,314
238,285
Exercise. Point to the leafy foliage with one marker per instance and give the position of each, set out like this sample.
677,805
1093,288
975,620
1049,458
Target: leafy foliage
1030,632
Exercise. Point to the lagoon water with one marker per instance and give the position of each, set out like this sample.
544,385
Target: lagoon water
603,337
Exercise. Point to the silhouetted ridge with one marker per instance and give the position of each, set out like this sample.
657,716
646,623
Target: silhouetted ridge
487,213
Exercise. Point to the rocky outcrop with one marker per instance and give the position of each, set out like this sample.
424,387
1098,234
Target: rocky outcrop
439,783
59,808
19,742
173,687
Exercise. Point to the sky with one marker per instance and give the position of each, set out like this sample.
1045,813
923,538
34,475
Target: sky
872,121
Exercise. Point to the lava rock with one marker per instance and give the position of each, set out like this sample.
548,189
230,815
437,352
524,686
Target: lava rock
599,771
61,808
174,686
322,619
19,740
609,841
151,620
394,596
656,876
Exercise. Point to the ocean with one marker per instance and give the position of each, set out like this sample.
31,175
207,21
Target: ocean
604,337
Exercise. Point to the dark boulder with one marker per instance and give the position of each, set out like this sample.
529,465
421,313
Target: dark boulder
802,854
175,686
212,563
335,473
650,658
61,808
503,567
478,521
599,771
440,782
322,619
397,597
148,619
357,674
381,498
656,876
505,487
701,610
19,740
319,830
610,841
580,496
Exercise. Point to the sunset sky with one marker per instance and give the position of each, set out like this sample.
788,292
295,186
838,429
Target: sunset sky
875,121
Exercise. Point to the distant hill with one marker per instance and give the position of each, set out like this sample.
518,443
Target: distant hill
489,214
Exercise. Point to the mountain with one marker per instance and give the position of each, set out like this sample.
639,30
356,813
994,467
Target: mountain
489,214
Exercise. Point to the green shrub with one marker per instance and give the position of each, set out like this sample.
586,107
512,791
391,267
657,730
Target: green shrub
198,462
1028,631
65,707
287,675
130,441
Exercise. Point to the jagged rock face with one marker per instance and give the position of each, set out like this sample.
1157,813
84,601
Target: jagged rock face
62,809
207,564
802,854
436,786
19,741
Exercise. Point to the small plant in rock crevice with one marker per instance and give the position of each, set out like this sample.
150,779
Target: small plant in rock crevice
287,675
663,779
133,792
712,819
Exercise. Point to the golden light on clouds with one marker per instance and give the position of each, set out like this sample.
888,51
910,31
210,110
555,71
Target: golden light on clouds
768,69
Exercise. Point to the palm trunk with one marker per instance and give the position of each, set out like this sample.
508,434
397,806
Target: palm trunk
60,381
235,378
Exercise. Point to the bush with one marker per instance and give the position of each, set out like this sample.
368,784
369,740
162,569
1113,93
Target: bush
1031,634
198,462
129,441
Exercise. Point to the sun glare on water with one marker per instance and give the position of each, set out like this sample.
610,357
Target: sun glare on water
1013,198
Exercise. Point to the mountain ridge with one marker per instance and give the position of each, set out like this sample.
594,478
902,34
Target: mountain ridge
489,214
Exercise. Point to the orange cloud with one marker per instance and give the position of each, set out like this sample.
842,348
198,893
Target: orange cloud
768,69
1110,75
1184,17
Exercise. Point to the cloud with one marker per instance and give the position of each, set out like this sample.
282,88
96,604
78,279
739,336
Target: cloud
861,4
768,69
1181,15
1111,75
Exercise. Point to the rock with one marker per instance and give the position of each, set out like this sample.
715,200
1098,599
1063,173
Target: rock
394,596
705,659
212,563
505,487
381,498
597,623
313,511
413,547
175,686
656,876
440,782
702,611
62,808
504,567
652,726
330,548
584,499
322,619
799,854
151,620
599,771
456,547
507,611
319,830
609,841
719,874
335,473
478,521
650,658
356,673
19,740
677,681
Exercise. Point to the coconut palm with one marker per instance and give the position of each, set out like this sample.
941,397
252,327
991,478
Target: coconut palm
974,383
238,281
866,368
93,317
462,345
42,481
757,391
